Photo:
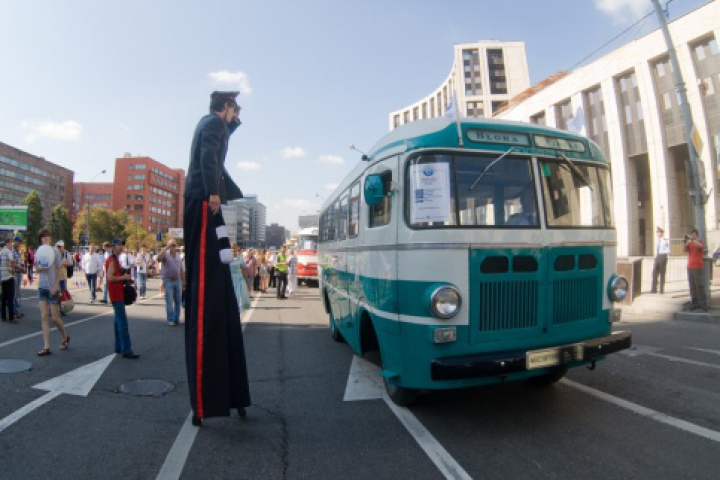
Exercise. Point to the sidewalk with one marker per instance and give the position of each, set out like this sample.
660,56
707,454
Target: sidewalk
674,304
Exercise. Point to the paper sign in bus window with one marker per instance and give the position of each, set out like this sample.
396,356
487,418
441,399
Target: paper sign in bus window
430,197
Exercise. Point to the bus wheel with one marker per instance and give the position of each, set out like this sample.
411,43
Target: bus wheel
549,378
400,395
334,332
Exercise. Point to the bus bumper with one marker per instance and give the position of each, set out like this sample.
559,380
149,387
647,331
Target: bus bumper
504,363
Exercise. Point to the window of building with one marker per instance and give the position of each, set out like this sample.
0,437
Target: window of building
539,119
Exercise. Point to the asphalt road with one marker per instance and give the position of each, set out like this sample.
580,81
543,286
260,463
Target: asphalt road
650,413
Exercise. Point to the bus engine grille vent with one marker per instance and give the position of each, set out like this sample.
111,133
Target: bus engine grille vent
508,305
574,299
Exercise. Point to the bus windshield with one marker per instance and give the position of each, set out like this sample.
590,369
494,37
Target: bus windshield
307,242
440,192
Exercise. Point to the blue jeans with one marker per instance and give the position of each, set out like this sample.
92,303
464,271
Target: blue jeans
18,283
122,334
105,292
142,283
92,283
172,300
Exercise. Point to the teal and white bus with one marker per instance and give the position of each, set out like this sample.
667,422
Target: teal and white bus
473,253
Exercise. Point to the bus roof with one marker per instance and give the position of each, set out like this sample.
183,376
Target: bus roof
485,134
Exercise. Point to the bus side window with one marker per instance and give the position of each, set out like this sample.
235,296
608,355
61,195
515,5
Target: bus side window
342,218
380,213
354,226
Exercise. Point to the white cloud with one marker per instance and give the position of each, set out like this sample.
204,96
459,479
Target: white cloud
624,11
68,130
293,152
331,186
249,166
332,159
234,80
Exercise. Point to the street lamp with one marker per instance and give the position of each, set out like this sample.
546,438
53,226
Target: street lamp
87,214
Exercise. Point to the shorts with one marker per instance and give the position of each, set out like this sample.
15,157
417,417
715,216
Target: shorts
44,296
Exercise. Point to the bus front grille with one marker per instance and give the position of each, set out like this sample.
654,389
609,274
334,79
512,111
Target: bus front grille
574,300
508,305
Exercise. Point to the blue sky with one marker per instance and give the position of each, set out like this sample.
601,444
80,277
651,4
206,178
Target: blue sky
82,82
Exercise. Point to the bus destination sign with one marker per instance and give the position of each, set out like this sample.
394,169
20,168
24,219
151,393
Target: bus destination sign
506,138
557,143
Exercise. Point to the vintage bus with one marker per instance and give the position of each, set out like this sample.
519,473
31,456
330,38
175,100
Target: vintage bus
307,242
473,253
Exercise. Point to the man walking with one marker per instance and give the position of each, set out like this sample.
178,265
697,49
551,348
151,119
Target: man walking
19,270
173,280
142,262
90,266
660,265
215,354
7,277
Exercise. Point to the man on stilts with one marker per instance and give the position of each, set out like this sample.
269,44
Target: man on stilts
214,350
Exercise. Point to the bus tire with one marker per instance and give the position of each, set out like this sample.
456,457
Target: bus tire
334,332
400,395
549,378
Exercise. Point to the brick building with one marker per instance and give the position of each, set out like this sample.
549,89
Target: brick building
96,194
22,172
151,192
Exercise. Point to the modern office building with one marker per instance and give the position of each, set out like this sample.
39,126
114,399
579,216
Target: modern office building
484,77
251,221
628,104
22,172
277,235
308,221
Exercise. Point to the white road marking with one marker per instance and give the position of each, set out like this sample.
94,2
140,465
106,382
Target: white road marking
706,350
177,456
646,412
67,324
76,382
365,383
653,352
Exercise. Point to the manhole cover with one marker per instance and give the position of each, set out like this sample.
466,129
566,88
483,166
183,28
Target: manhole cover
14,366
147,388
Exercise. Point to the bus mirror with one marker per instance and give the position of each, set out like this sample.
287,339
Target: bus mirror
374,189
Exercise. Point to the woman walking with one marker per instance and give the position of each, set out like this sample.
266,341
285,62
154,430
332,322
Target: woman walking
263,271
251,268
49,293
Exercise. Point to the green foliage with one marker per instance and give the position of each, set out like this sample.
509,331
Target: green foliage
35,221
61,227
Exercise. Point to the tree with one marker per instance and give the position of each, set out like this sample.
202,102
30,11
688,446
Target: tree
61,227
34,218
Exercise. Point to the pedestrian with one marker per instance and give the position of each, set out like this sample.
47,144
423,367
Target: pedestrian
49,274
172,277
281,272
263,271
20,269
30,264
237,272
292,263
7,277
108,252
251,269
91,265
116,278
696,270
67,262
662,250
142,262
271,269
215,353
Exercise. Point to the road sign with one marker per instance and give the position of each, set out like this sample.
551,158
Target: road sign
158,237
13,218
175,233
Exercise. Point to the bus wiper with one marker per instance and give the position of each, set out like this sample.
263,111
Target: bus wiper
482,174
574,169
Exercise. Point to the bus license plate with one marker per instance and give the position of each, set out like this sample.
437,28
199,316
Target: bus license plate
553,356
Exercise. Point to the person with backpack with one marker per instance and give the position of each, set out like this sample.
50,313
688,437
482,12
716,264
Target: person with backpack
69,264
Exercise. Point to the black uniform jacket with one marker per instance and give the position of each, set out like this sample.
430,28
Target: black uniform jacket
207,174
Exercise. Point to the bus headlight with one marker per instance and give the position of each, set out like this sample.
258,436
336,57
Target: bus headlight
618,288
445,301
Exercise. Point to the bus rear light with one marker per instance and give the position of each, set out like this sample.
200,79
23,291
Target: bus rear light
617,289
445,335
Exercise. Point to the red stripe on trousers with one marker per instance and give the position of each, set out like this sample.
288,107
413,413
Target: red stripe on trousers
201,316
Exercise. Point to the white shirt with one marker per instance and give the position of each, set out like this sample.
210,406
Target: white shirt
91,263
141,262
663,246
